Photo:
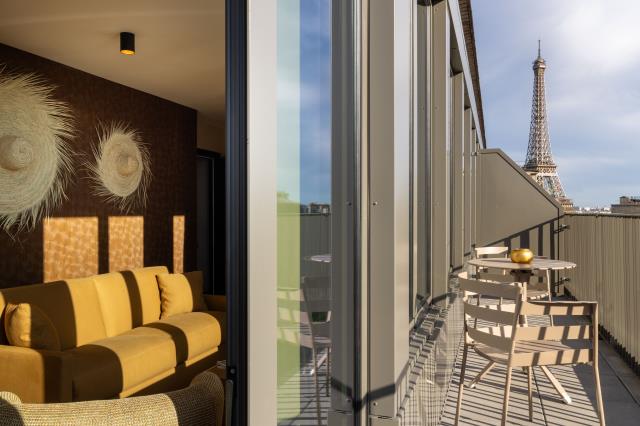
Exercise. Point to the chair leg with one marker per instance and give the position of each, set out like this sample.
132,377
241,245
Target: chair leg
328,378
481,374
530,391
596,375
549,290
460,388
556,385
317,385
507,389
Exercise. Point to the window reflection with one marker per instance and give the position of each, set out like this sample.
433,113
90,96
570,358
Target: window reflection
304,210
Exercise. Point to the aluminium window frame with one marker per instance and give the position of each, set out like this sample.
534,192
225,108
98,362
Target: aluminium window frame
236,210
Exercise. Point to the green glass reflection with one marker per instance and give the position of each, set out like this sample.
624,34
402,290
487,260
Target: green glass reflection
303,200
288,207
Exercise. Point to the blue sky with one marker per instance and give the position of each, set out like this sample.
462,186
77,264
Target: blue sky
592,49
315,93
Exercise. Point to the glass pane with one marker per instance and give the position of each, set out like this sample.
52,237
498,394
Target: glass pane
304,210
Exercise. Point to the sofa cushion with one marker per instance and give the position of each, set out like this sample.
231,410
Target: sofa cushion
192,333
28,327
109,366
181,293
72,306
145,279
196,282
129,299
119,302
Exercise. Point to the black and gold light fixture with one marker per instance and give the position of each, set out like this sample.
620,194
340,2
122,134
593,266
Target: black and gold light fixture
127,43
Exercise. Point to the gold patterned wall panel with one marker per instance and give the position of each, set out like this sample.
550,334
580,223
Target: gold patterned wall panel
126,242
178,244
70,247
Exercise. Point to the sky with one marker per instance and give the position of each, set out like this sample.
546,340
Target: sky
315,111
304,100
592,50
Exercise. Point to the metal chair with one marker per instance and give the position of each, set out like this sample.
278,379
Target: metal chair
537,289
530,292
490,252
316,300
487,252
301,322
498,334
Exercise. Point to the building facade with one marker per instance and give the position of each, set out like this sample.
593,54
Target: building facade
627,205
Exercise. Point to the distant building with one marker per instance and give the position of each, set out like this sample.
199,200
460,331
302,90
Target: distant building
628,205
593,210
321,208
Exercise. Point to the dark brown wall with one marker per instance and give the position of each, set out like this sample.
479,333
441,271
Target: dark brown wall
167,128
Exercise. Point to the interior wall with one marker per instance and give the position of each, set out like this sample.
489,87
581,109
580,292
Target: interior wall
169,130
211,134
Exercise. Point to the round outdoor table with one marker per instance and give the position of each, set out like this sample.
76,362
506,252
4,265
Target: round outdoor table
522,274
522,271
321,258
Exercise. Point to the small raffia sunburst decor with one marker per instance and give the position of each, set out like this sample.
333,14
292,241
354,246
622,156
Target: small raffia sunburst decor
35,157
121,170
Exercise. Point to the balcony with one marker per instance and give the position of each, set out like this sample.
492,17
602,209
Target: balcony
515,212
435,377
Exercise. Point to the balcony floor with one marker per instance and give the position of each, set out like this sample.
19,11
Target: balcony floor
483,405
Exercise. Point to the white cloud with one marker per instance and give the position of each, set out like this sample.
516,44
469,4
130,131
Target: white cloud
601,34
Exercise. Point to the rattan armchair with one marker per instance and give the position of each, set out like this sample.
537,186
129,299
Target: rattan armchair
199,404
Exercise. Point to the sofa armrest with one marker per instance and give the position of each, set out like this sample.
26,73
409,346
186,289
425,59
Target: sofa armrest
216,302
35,375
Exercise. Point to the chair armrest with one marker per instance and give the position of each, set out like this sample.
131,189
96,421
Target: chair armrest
216,302
561,308
35,375
564,303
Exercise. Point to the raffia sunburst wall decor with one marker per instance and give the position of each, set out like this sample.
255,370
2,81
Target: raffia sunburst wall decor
35,158
167,129
121,166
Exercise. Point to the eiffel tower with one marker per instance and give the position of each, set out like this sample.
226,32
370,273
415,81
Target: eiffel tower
539,163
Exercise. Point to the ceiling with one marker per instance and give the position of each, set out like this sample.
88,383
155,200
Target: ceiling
179,44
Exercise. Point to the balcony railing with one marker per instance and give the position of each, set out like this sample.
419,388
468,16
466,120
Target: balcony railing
606,249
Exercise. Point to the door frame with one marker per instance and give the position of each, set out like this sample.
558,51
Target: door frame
243,341
236,205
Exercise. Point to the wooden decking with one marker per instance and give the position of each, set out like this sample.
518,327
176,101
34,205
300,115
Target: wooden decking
483,405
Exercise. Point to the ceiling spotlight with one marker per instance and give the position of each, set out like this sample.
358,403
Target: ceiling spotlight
127,43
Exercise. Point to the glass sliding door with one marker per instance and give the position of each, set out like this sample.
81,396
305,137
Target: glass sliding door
297,289
304,209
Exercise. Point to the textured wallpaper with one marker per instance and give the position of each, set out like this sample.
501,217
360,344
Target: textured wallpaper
146,236
70,247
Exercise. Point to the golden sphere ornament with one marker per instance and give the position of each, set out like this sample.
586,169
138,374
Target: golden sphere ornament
521,255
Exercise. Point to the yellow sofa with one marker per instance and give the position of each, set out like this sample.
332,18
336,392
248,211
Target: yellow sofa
114,343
